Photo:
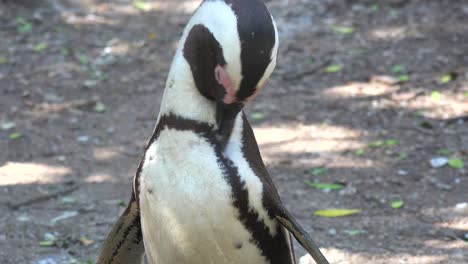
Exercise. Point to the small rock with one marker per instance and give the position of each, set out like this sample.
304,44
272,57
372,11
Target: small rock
83,138
23,218
461,207
90,83
61,158
402,172
438,162
332,232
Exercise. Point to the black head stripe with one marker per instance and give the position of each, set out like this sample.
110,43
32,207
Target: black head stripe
257,37
203,53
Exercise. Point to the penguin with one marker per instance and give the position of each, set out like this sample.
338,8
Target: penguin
202,193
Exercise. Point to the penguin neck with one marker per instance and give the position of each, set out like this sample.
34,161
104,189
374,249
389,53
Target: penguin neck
182,98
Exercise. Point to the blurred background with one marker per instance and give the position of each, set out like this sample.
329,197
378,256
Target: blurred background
367,112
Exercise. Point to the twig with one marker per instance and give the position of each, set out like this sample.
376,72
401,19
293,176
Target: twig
417,129
310,71
454,120
47,108
41,198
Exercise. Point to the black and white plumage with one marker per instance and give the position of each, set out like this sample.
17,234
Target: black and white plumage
202,193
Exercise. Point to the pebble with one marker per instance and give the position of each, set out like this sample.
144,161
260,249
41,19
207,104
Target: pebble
332,231
83,138
402,172
461,207
438,162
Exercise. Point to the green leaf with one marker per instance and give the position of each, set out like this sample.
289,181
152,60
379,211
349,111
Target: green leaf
86,241
258,116
391,142
310,61
360,152
83,59
318,171
145,6
121,203
16,135
343,29
376,144
403,78
374,7
336,212
456,163
402,156
354,232
399,68
333,68
100,107
436,96
40,47
444,152
64,51
465,94
426,125
46,243
448,77
397,204
24,28
325,186
4,60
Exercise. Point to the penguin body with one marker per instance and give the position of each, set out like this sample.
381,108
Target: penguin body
202,193
195,212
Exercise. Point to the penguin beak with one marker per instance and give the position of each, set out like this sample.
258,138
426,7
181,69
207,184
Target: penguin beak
225,117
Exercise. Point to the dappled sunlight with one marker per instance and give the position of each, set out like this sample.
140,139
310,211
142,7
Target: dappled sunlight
393,33
448,106
342,256
89,19
359,90
184,7
444,245
13,173
105,154
305,138
327,141
100,177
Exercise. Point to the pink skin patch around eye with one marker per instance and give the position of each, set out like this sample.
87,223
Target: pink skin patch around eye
223,78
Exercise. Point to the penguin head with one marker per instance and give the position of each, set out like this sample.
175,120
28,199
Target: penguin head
231,48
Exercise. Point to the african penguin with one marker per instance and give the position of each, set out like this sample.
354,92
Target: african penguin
202,193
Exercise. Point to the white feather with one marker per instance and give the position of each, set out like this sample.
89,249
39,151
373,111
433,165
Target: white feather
187,214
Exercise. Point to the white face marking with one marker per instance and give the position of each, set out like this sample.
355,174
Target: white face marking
187,214
180,96
252,182
272,65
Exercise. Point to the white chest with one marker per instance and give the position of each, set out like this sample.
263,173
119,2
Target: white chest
186,205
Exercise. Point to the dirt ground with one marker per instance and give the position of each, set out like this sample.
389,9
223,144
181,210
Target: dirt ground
365,94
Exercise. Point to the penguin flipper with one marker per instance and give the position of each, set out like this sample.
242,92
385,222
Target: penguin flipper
287,220
124,244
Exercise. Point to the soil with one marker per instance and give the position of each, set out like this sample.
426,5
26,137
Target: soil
81,83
